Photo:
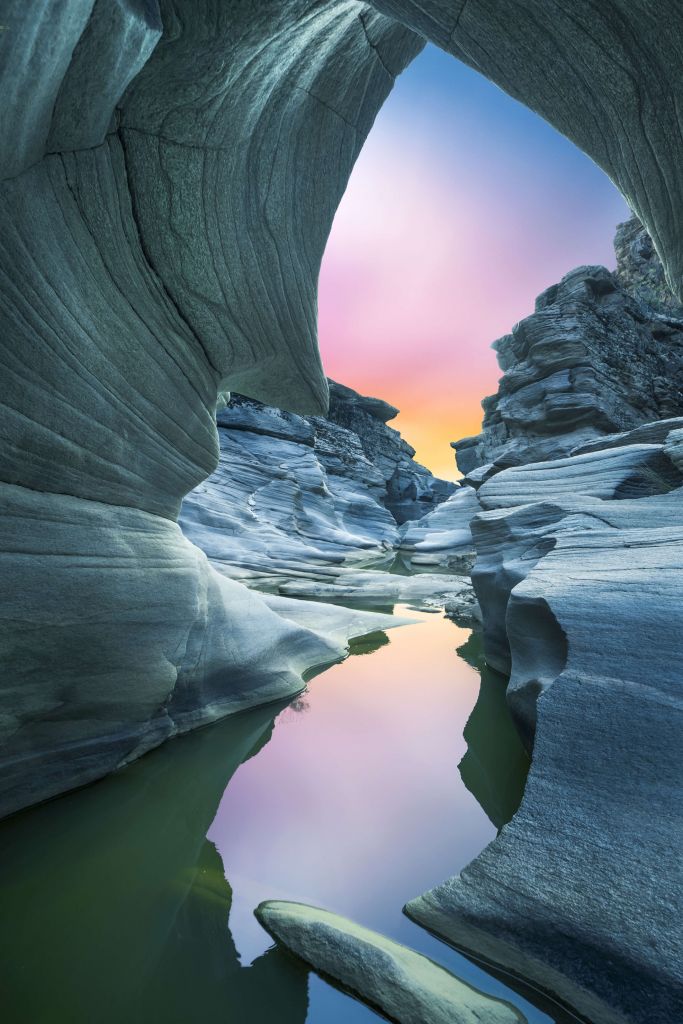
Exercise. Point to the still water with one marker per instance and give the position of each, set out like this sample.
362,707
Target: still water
132,900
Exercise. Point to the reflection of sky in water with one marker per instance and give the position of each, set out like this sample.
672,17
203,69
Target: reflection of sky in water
356,803
115,907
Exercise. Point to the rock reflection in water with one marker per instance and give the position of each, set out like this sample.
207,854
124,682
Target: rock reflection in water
495,765
115,906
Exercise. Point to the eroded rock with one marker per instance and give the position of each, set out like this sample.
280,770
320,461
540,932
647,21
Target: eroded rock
406,986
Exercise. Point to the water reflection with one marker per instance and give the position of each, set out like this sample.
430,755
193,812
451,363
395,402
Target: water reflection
115,904
115,907
495,765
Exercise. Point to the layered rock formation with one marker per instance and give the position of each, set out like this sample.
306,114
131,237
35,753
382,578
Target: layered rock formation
293,495
169,175
411,490
603,352
580,593
578,574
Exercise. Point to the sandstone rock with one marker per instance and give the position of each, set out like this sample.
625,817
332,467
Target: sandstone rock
404,985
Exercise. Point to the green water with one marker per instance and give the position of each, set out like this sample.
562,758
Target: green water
117,907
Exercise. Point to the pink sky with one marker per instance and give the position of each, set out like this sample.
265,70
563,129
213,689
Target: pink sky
462,207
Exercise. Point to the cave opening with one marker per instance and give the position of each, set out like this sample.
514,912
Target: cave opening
462,207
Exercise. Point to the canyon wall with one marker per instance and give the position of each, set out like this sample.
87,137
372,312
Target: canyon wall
169,176
293,495
603,352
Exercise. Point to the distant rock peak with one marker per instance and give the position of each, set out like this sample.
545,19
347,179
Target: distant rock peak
601,353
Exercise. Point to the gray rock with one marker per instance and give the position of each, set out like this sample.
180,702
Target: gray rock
628,471
406,986
130,302
649,433
411,490
293,494
377,588
640,271
443,537
590,361
590,866
240,133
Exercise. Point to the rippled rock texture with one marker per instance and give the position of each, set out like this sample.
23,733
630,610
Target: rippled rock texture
579,577
293,495
169,175
603,352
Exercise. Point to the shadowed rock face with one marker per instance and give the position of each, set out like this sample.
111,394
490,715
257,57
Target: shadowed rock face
155,249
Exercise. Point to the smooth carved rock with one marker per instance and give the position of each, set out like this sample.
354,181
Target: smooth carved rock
240,133
155,249
293,495
589,866
443,537
164,643
406,986
627,471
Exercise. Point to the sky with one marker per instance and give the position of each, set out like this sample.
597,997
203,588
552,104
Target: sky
462,207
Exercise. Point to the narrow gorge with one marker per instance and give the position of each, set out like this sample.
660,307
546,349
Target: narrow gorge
199,528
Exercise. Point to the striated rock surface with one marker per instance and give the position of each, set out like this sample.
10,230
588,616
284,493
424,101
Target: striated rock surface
293,494
411,490
406,986
578,574
443,537
160,243
602,353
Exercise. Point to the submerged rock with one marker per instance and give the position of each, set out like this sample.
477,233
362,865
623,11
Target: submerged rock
406,986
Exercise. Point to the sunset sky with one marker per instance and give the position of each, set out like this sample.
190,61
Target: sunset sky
462,207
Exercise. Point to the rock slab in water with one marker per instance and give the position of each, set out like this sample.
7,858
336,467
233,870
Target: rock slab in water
406,986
